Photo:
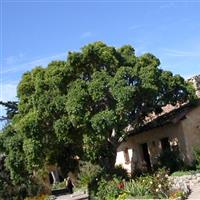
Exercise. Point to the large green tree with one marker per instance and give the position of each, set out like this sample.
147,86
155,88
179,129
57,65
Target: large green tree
85,104
115,89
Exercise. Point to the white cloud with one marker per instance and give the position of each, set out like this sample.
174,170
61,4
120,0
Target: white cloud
31,64
180,53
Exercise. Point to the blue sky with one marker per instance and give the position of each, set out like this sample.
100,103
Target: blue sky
35,32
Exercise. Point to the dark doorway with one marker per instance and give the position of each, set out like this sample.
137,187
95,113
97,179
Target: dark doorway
50,178
146,155
165,144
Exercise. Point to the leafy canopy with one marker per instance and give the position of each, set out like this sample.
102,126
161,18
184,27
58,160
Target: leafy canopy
85,103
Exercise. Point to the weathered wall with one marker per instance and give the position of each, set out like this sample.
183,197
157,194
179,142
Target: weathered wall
191,129
120,160
186,132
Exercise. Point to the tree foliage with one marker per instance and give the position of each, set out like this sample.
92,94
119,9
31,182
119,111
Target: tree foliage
85,104
11,109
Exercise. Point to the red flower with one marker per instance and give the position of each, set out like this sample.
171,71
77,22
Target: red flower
120,186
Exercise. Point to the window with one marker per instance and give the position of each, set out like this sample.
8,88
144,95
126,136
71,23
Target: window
126,156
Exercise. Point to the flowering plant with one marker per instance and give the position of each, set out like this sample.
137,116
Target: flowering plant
159,185
120,185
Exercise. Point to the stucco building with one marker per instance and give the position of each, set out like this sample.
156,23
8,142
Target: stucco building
177,127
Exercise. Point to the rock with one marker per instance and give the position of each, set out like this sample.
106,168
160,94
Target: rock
195,181
198,179
189,177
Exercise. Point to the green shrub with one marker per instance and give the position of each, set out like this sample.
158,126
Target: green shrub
153,186
178,194
108,175
120,172
197,157
148,186
171,160
59,185
109,190
88,172
136,188
183,173
38,197
159,185
51,197
122,196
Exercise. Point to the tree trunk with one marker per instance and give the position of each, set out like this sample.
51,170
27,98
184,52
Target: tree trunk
108,155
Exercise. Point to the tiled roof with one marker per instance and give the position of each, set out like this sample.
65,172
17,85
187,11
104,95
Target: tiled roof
171,114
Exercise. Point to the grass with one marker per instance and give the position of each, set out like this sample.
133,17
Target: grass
80,189
183,173
59,185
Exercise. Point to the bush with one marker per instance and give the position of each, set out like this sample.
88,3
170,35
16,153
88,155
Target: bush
182,173
42,197
51,197
159,185
59,185
109,190
178,194
120,172
149,186
154,186
136,188
197,157
30,186
39,197
171,160
122,196
88,172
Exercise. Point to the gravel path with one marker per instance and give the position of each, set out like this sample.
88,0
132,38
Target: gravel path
195,192
75,196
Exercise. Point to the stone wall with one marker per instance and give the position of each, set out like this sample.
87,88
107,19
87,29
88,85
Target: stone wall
186,182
